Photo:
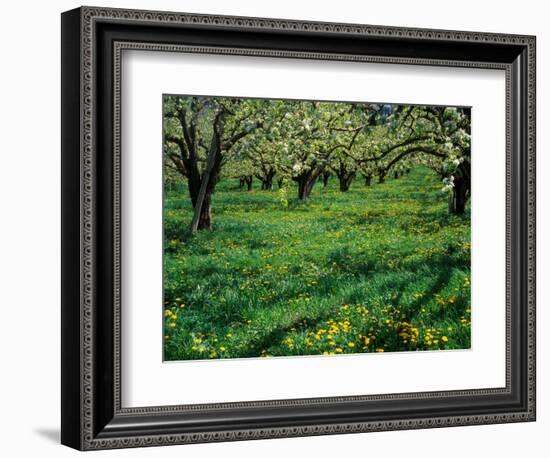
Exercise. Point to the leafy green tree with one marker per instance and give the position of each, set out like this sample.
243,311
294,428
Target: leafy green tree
436,136
304,141
198,134
263,149
318,130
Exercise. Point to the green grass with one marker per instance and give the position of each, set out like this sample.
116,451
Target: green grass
380,268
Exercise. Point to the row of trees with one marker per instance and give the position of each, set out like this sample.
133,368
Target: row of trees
307,141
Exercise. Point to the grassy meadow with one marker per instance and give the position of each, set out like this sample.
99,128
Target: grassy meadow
375,269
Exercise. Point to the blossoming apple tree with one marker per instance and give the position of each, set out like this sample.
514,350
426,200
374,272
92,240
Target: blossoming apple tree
206,138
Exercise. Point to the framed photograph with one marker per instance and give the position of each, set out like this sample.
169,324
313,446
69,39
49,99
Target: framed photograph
276,228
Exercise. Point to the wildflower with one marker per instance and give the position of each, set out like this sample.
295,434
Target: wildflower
444,338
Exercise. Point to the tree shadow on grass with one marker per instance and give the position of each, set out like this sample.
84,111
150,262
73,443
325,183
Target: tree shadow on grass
276,335
445,266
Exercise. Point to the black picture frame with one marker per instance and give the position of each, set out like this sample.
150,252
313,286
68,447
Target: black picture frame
92,40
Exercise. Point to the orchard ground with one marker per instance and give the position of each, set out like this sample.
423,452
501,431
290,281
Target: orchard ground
378,268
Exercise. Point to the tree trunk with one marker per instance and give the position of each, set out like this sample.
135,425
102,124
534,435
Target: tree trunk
205,218
247,179
202,214
459,196
306,181
302,189
267,180
326,177
381,177
368,180
280,183
345,180
305,186
202,218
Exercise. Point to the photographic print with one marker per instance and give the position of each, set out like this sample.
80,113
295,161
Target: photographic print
298,227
